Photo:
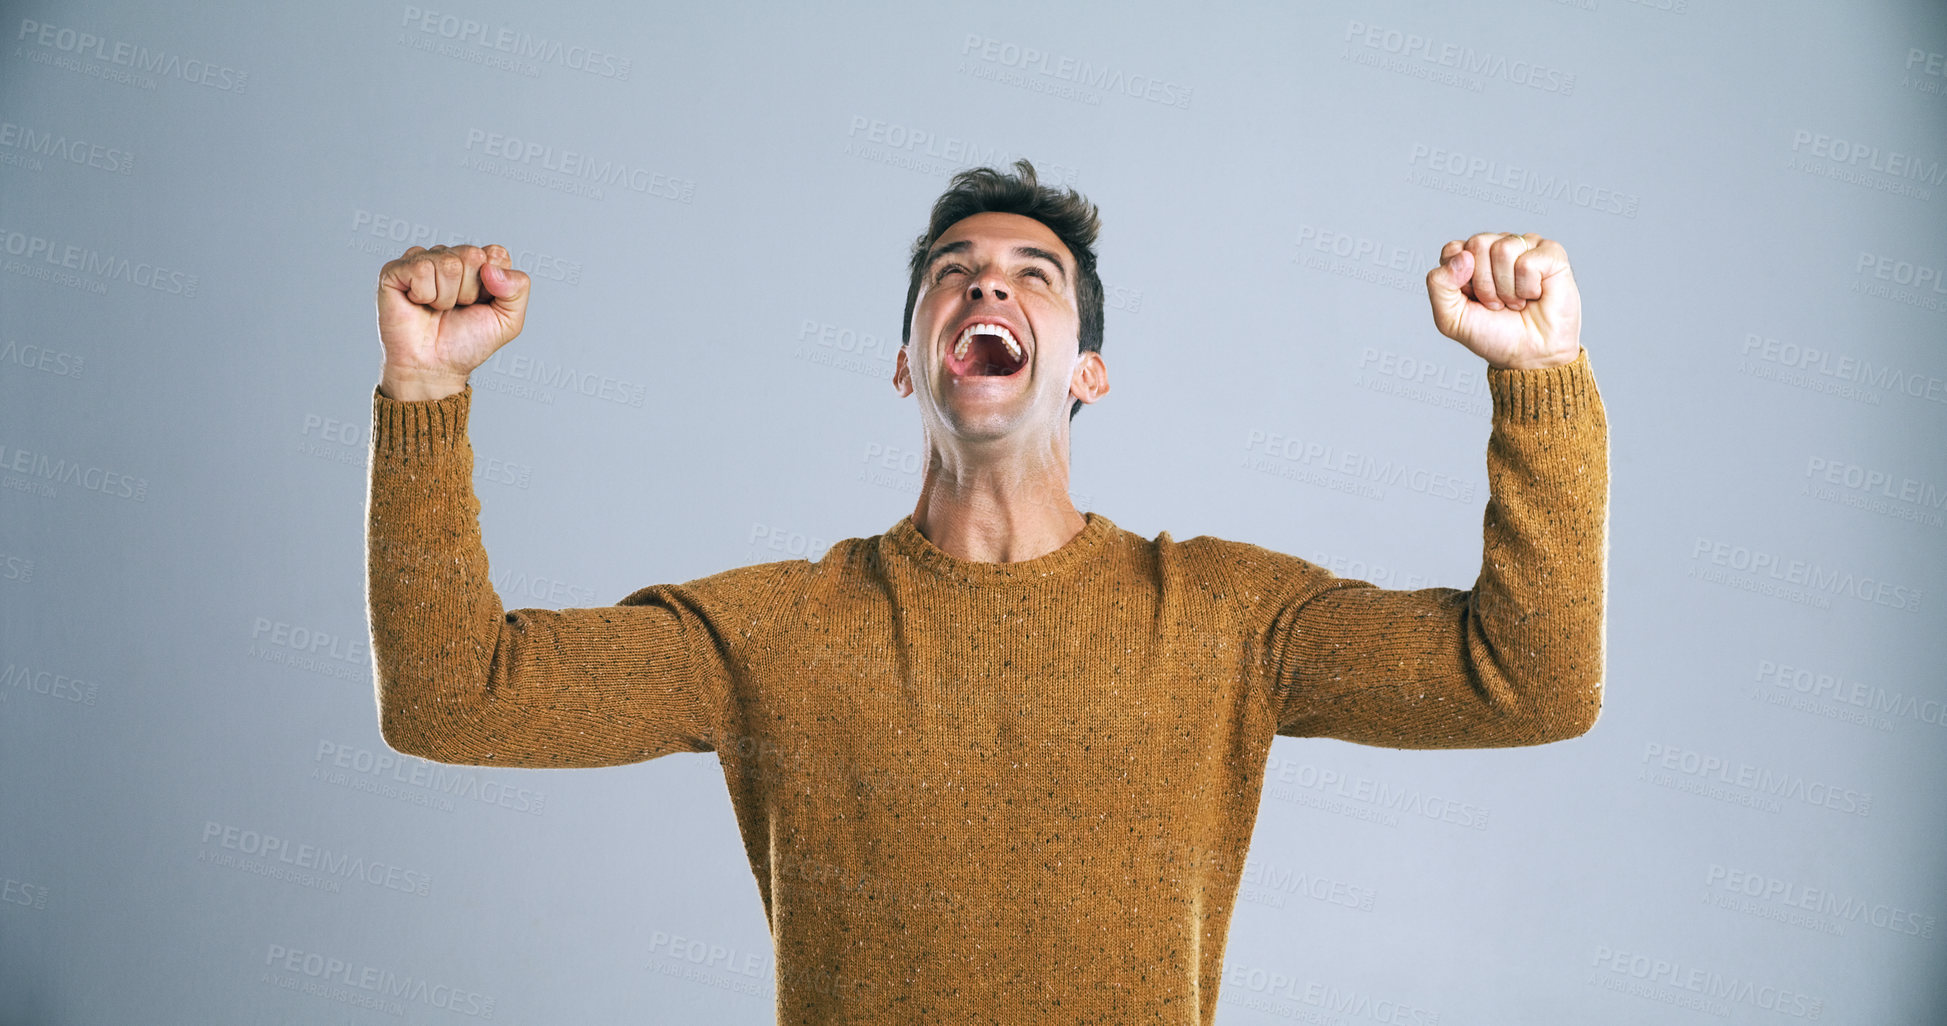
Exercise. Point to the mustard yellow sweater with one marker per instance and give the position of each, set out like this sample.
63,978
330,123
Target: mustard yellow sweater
1011,793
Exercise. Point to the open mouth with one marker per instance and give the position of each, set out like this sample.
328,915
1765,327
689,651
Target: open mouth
986,350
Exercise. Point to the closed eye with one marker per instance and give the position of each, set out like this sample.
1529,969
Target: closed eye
944,271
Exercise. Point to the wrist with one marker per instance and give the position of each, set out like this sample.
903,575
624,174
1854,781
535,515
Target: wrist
1538,362
406,385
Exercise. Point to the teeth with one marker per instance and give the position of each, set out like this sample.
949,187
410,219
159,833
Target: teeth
1006,337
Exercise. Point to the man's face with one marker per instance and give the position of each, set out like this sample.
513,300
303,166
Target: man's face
994,341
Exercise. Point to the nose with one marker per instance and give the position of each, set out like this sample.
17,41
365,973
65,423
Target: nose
987,284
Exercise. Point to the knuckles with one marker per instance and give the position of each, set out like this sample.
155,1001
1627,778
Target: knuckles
1507,244
446,260
433,270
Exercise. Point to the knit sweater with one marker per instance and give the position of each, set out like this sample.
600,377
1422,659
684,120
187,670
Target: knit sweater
997,792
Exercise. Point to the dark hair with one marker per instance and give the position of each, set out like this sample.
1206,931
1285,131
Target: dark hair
1066,212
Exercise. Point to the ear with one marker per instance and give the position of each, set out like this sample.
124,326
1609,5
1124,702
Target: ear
1091,379
902,375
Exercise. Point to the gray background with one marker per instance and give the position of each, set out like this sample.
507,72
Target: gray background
200,822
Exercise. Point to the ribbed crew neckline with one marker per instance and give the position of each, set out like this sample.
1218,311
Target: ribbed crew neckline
905,537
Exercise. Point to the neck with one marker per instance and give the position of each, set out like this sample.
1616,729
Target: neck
998,511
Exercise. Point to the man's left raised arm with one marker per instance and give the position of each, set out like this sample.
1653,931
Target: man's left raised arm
1518,658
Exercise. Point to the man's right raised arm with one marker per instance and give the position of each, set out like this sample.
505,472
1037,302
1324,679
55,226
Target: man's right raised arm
458,678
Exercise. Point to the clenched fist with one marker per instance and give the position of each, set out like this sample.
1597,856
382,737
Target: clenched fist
1511,299
442,312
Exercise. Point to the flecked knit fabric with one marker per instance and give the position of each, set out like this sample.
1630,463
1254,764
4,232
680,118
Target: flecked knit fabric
997,792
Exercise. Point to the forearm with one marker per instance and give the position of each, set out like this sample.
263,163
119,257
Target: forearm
461,679
1515,660
434,614
1536,610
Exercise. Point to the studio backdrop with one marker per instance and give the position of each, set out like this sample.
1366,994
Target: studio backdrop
200,822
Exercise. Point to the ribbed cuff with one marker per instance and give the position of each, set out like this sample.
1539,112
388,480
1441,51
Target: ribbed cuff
405,427
1564,392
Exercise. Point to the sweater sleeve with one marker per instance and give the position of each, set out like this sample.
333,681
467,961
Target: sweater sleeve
1515,660
461,680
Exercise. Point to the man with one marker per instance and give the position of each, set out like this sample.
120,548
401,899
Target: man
1001,763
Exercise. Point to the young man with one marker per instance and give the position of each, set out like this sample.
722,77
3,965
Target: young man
1001,762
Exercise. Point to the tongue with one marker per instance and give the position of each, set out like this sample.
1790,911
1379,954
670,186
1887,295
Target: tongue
986,355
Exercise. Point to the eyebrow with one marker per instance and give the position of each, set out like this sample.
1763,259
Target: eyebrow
1027,251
